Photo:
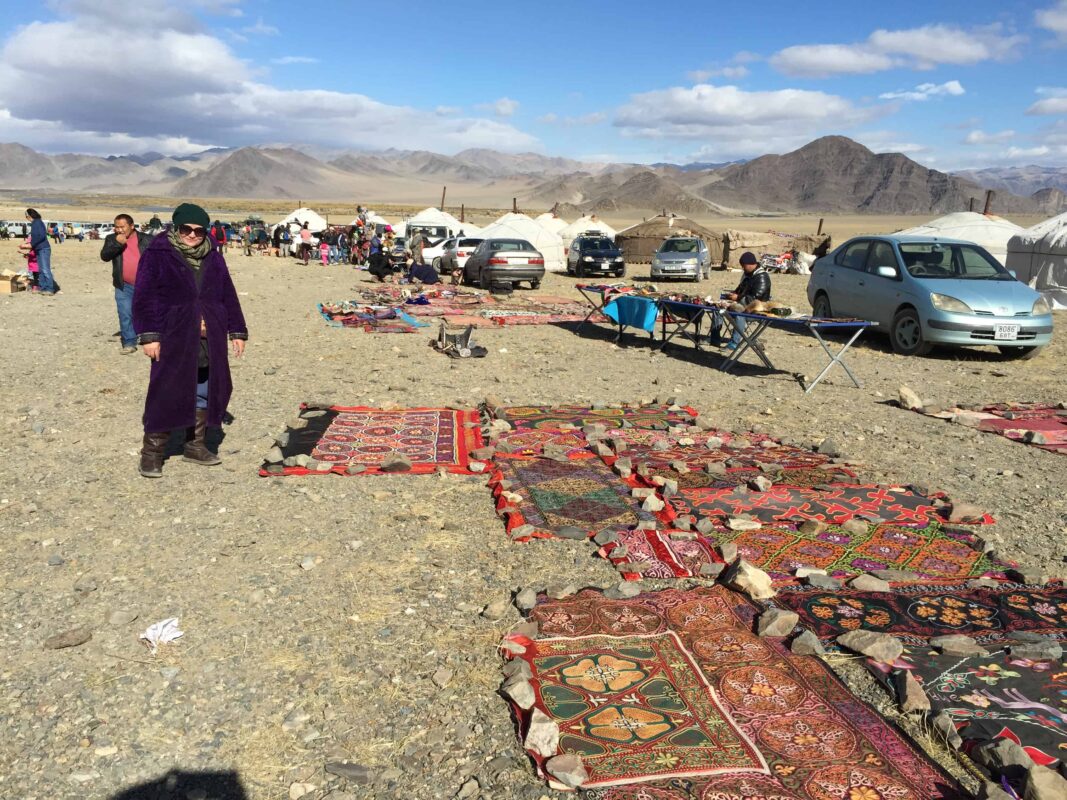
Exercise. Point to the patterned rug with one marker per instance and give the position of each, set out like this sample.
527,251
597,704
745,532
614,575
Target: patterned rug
660,555
995,697
532,443
745,450
916,612
343,436
932,550
1042,425
551,417
550,495
835,504
367,318
670,696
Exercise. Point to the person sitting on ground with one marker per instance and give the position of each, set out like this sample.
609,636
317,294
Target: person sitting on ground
423,273
755,285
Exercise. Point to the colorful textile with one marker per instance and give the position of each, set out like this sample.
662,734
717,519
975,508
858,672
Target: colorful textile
552,417
996,696
1042,425
917,612
834,504
738,451
372,319
931,550
659,555
633,312
548,495
524,443
670,696
340,437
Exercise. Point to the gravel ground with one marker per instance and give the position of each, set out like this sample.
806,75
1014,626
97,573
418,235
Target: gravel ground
330,618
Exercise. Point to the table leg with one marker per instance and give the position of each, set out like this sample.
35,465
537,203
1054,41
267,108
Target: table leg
593,308
682,327
834,359
749,339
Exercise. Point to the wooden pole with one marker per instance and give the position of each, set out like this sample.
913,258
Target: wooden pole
989,195
970,207
514,205
443,190
462,212
819,232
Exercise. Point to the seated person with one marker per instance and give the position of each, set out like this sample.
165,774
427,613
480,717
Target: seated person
423,273
754,285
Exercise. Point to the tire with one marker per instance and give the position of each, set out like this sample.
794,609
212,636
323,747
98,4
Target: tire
535,284
906,334
821,306
1019,353
578,271
484,281
436,263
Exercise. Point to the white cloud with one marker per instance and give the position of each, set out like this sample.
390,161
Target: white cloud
1055,101
261,29
702,75
551,118
447,111
1053,19
924,91
176,83
890,142
285,60
981,137
1028,152
504,107
916,48
592,118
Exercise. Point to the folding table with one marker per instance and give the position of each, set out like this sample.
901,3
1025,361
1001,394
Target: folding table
684,319
633,311
815,326
598,295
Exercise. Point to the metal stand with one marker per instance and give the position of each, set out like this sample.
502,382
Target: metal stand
834,359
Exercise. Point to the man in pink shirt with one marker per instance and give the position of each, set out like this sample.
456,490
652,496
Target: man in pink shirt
123,249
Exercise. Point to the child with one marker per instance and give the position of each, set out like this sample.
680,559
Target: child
31,263
324,251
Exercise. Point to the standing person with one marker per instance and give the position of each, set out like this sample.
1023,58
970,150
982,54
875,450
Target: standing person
305,243
40,245
342,246
284,239
325,249
276,240
123,249
219,232
415,245
185,307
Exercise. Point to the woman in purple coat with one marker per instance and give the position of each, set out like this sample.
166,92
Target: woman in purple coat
185,308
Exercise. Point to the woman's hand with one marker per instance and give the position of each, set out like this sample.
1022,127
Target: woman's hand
238,347
152,350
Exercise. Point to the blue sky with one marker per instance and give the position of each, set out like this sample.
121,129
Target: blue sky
952,84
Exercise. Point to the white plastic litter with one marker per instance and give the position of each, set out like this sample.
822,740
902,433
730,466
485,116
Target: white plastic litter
162,632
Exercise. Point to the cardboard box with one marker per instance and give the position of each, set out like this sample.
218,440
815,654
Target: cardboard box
12,284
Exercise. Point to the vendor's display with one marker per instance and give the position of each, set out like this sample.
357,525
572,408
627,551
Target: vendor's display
1042,425
652,417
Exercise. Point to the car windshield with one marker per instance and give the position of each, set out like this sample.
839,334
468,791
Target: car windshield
599,244
469,242
679,246
943,260
509,244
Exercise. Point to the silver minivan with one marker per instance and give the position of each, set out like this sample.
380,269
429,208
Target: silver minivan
684,257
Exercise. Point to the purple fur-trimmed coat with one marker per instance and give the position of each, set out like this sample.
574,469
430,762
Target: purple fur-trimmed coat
168,307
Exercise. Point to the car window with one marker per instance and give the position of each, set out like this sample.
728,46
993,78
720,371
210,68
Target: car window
854,256
509,244
598,244
469,242
940,260
881,255
978,264
679,246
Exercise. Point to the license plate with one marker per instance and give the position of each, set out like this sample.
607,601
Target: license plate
1005,332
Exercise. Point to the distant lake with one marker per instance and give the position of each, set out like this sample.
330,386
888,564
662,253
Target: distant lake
156,209
45,201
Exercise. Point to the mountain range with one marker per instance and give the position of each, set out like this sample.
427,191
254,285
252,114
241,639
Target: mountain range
832,174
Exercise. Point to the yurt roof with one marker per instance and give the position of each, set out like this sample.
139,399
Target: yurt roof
302,215
989,231
1048,237
587,223
520,226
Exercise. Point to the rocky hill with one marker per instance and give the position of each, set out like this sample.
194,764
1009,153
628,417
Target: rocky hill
1018,180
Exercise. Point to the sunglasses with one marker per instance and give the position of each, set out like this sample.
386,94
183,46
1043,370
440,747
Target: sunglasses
191,230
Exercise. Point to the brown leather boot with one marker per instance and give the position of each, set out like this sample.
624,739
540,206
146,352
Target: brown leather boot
195,448
152,454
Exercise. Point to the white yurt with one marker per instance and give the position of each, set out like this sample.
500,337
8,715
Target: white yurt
316,224
520,226
583,224
551,222
987,230
1038,255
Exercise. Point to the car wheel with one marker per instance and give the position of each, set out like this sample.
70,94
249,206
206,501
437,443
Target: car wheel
1019,353
436,263
821,306
484,281
535,284
907,334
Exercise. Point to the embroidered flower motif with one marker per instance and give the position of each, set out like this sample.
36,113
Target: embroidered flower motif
622,724
602,673
975,700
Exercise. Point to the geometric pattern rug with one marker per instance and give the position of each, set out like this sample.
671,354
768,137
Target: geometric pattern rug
741,450
915,612
670,696
552,417
531,443
660,555
549,495
931,550
342,436
1044,424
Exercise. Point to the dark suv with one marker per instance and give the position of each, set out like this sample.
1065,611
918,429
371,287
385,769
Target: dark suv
594,253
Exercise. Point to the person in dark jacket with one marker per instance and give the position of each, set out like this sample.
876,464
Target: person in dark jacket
123,249
423,273
755,285
185,308
40,245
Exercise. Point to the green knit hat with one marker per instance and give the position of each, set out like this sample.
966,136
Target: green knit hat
191,214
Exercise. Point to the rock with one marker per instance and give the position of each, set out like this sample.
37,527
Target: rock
1003,757
896,575
571,532
623,591
275,456
302,459
910,692
1030,437
282,439
523,531
353,773
519,689
516,667
728,551
869,583
641,492
947,730
909,399
828,447
528,628
683,536
705,526
957,645
295,720
742,524
568,770
559,592
812,527
760,484
807,644
170,673
355,469
122,616
776,622
483,453
1033,577
715,468
298,790
542,737
1038,651
526,599
647,525
653,503
72,638
308,563
56,560
497,609
442,676
982,583
606,537
711,570
85,584
680,467
880,646
749,579
1044,784
470,788
965,513
826,582
857,527
803,572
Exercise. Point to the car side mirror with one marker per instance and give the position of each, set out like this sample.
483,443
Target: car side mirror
886,272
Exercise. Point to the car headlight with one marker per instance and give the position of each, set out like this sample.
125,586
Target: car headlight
1041,307
690,262
944,302
618,258
587,258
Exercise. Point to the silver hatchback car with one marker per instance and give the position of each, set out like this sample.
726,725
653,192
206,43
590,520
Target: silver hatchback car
926,291
684,257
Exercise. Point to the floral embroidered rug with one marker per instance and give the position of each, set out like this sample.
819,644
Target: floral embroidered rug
539,497
916,612
659,555
933,550
670,696
341,436
552,417
1042,425
531,443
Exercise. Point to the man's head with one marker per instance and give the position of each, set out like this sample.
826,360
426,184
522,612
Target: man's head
749,261
123,224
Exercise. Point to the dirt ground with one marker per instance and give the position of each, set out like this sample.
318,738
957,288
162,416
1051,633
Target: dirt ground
332,618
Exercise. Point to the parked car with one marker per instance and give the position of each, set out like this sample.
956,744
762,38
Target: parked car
925,291
504,261
456,253
432,250
594,253
685,257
